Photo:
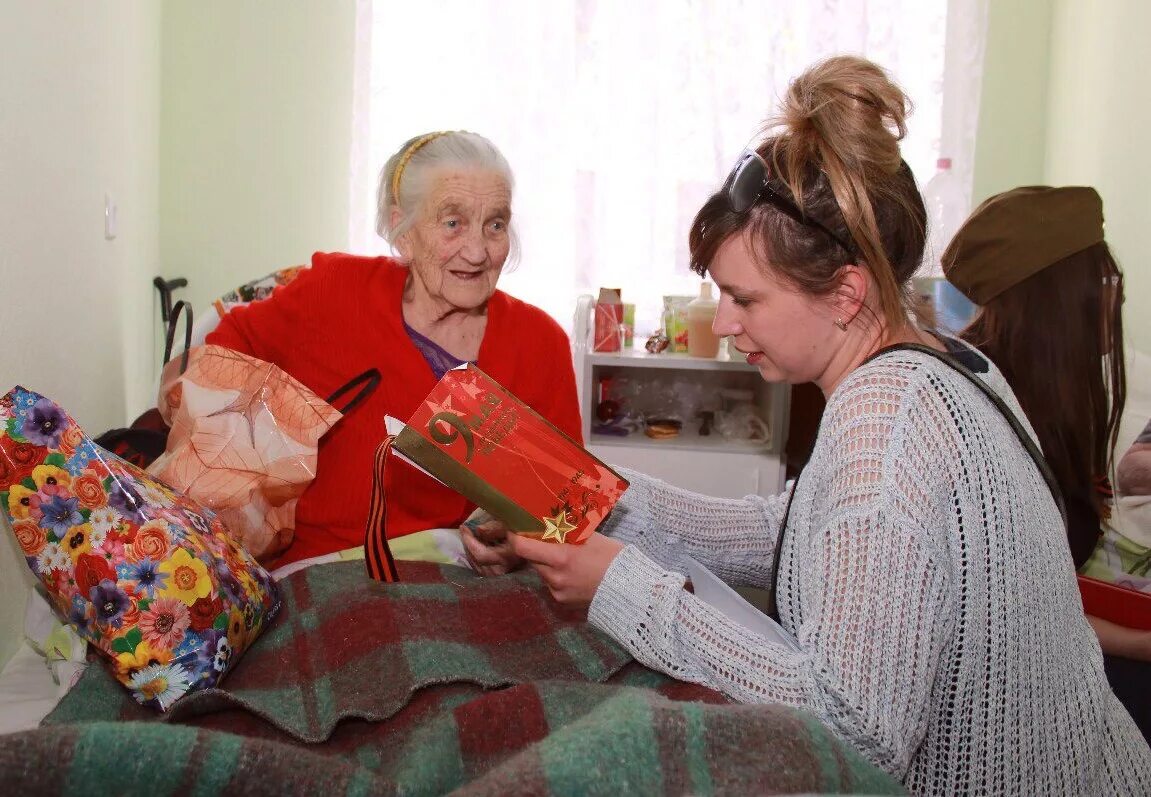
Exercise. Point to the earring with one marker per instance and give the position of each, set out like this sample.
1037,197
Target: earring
839,322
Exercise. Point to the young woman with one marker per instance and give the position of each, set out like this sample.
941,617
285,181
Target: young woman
919,562
1050,318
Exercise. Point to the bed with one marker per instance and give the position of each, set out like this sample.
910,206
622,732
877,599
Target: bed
445,681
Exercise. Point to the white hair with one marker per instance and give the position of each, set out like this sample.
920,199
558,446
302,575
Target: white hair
458,149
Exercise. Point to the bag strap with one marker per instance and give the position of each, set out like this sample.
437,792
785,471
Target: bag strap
368,381
377,552
170,332
1009,416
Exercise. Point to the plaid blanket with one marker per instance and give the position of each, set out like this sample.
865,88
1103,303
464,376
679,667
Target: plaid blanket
369,688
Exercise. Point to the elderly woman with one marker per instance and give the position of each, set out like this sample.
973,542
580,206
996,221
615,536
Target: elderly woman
926,596
445,206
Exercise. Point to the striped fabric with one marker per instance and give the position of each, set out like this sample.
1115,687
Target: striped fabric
377,554
444,681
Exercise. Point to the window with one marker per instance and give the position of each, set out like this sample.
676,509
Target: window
618,118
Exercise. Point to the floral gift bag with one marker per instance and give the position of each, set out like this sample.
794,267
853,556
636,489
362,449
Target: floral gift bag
150,578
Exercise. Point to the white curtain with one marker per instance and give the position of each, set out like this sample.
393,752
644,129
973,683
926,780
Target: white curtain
619,118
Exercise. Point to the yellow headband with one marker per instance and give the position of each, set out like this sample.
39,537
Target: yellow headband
407,156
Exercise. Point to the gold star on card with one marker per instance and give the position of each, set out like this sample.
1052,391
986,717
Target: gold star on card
557,528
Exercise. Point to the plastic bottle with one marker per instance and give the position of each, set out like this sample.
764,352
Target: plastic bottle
946,203
701,341
582,323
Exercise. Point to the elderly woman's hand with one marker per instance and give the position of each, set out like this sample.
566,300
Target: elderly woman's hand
572,572
486,544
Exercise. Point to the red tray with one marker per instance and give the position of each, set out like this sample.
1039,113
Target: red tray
1120,605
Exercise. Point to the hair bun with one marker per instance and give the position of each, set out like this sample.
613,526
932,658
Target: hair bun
849,109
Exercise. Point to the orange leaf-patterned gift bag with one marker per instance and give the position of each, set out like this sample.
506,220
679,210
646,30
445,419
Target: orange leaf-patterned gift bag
244,440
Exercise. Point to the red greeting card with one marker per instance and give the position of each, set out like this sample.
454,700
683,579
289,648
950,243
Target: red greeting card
483,442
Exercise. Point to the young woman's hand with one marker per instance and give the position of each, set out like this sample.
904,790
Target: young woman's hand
572,572
486,544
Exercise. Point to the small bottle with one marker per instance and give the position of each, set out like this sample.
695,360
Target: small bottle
701,341
582,323
943,307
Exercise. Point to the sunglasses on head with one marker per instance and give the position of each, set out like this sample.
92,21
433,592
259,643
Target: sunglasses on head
748,181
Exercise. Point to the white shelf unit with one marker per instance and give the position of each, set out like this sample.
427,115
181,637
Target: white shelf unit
707,464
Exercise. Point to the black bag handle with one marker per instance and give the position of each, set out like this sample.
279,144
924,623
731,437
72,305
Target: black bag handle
368,381
170,333
1009,416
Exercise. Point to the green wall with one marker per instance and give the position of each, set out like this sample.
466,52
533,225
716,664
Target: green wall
1010,146
221,129
1065,102
79,119
1097,127
256,134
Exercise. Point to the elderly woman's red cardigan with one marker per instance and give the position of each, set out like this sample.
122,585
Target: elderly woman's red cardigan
343,316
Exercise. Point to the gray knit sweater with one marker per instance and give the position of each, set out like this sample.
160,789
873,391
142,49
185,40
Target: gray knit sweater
926,576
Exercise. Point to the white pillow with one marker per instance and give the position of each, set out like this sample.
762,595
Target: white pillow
43,669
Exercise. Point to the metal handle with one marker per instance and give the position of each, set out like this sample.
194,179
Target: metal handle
165,287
